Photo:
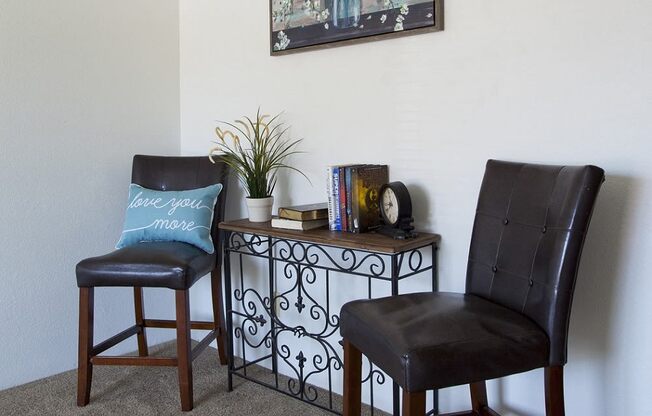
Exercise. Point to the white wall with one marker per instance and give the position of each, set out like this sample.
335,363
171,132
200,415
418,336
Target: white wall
539,81
84,85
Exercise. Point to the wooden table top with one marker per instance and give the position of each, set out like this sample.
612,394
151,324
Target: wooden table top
365,241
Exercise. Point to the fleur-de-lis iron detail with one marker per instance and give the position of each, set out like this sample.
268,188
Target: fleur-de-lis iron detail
301,359
299,303
261,320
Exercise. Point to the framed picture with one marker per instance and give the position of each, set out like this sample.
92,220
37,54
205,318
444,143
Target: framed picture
297,25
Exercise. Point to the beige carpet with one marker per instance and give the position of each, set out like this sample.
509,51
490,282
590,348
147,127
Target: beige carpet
145,391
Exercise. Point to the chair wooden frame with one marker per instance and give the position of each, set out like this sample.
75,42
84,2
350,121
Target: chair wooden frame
89,354
414,403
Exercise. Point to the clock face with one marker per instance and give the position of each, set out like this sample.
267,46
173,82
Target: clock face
390,206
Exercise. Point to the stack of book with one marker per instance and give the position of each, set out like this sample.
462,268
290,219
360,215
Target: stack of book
353,204
302,217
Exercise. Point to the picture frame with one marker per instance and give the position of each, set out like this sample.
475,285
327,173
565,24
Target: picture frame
302,25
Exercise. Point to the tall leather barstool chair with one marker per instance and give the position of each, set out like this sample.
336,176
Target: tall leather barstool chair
530,225
172,265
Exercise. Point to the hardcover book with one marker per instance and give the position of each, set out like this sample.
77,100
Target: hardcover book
342,199
337,198
331,198
298,225
349,196
365,183
337,226
304,212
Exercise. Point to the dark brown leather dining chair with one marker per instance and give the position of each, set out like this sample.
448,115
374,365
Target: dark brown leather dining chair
172,265
529,229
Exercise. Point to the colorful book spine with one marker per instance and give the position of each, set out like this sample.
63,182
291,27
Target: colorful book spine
336,199
342,200
353,204
329,190
355,207
366,183
347,186
349,197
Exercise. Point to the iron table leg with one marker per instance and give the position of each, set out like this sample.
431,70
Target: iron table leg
229,307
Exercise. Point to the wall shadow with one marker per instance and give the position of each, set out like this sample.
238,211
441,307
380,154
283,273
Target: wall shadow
594,302
235,200
422,210
509,409
592,324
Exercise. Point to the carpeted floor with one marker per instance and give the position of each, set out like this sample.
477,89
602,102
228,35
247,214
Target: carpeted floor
145,391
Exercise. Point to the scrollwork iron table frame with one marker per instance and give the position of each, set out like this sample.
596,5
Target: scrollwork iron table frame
303,253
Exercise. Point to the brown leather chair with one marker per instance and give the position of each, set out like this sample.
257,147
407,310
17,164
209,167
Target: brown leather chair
529,230
170,265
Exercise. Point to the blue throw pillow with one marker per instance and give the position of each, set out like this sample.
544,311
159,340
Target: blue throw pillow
184,216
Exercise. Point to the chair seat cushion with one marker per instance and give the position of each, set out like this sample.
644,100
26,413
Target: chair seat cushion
173,265
435,340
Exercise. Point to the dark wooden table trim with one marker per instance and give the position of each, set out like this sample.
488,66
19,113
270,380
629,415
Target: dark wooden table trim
367,241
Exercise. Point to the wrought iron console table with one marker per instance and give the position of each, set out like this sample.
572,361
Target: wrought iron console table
261,315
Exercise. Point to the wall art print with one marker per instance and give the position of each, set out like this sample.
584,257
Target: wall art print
299,24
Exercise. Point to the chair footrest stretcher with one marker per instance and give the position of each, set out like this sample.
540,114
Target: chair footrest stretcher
486,411
96,359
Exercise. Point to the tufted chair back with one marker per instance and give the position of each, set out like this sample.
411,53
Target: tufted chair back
173,173
528,234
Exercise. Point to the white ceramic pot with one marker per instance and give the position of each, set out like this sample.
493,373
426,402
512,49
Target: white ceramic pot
260,209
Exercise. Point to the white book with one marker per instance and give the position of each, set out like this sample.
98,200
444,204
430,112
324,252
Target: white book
298,225
329,190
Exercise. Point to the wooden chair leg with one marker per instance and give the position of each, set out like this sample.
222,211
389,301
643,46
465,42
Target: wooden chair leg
414,404
183,349
352,380
554,380
218,315
479,396
140,321
85,368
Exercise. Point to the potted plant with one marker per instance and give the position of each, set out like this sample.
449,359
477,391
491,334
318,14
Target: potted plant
256,158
